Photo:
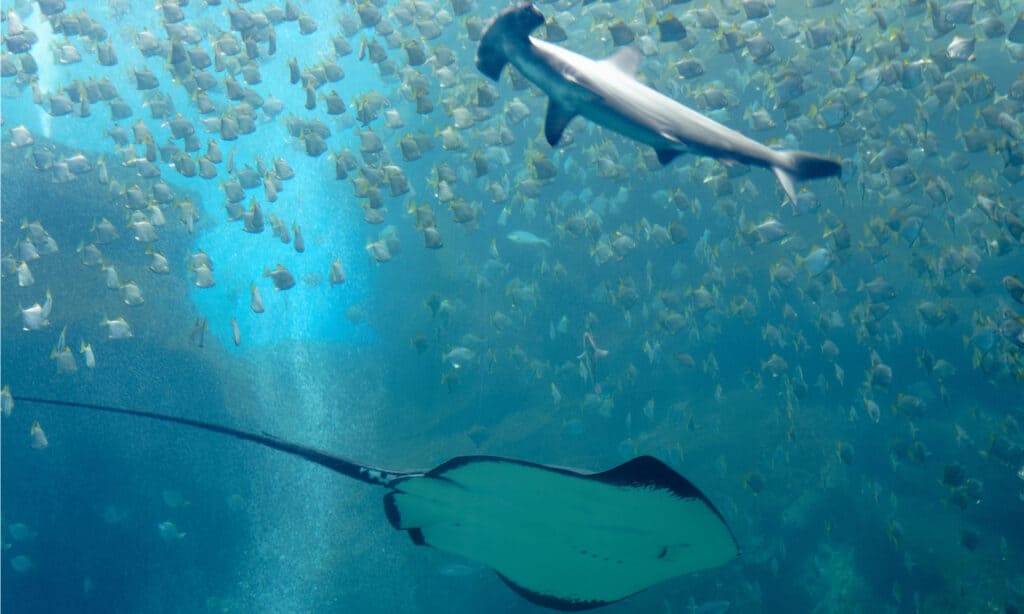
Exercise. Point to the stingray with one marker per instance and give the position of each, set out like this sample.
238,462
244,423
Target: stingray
562,538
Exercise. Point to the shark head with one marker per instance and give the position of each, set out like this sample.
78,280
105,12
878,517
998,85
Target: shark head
511,27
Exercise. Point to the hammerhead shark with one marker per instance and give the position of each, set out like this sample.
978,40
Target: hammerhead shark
607,93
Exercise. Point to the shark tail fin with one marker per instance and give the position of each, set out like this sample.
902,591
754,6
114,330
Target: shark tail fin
510,26
793,165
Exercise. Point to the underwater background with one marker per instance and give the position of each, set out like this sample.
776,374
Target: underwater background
842,376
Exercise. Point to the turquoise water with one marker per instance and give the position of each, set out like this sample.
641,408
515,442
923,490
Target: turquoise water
749,365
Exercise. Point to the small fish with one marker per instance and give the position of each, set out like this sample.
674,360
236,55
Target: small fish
65,358
36,316
22,564
91,255
204,276
775,366
1016,34
282,277
110,277
35,229
817,261
90,358
21,137
874,411
770,231
880,375
432,238
27,250
79,164
169,532
143,229
158,263
337,273
235,333
379,251
1015,287
524,237
6,401
255,300
457,357
198,335
25,277
961,49
931,314
21,532
39,440
131,294
105,231
878,289
830,349
117,329
282,169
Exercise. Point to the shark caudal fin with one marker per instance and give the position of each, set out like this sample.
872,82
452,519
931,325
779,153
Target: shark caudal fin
790,166
513,25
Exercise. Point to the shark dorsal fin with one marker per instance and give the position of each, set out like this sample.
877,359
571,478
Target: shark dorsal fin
626,59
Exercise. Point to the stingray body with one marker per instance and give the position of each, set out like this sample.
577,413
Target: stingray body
607,93
561,538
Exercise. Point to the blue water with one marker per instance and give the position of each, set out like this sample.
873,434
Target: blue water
835,510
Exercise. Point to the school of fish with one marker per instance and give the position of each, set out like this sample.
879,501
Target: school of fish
872,321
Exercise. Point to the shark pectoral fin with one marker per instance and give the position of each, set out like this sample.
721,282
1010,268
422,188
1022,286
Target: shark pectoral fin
557,119
626,59
667,155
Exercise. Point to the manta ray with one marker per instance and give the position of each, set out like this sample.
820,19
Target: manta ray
562,538
607,93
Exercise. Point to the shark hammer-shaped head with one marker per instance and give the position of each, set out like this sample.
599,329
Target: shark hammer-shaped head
510,28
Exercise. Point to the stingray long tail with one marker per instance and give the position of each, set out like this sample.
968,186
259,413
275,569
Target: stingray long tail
338,464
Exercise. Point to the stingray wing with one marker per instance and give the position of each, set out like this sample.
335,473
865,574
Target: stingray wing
561,538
